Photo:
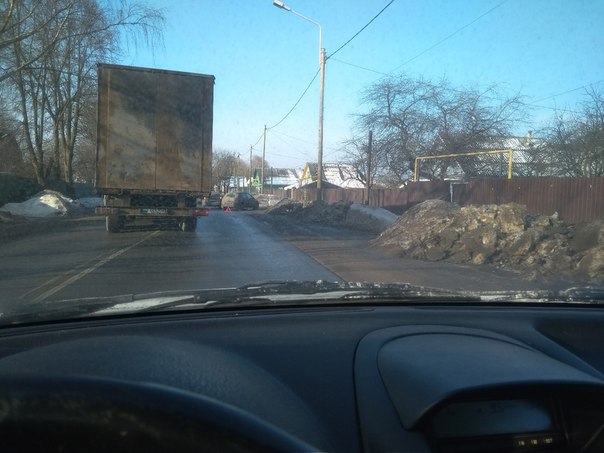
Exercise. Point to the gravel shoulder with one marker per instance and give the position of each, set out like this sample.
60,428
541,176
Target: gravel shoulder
349,253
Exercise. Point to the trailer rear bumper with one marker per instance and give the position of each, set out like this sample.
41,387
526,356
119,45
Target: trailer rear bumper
152,212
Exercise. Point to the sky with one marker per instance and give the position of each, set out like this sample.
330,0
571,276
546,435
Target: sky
264,57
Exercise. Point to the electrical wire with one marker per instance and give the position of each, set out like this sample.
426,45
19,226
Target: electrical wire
570,91
359,32
297,102
294,138
427,49
317,73
258,141
449,36
360,67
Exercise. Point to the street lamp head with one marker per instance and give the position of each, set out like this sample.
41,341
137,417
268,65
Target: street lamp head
280,4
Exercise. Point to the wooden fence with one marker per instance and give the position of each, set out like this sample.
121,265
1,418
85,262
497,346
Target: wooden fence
574,199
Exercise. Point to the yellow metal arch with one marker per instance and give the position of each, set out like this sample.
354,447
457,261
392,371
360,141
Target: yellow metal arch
509,152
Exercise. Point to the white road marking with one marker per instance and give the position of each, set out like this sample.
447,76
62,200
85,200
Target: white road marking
86,271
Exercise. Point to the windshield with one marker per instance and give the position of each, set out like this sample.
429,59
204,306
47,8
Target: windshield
155,149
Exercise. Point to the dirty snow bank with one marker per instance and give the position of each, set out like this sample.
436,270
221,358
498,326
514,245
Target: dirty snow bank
501,235
267,200
315,211
48,203
369,218
351,214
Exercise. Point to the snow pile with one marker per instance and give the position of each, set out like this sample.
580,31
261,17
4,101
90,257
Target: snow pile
47,203
286,207
369,218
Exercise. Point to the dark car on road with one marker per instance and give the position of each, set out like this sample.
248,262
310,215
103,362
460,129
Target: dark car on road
239,200
214,200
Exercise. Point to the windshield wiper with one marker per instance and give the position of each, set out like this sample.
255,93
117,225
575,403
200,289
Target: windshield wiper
261,294
286,293
280,293
585,295
283,293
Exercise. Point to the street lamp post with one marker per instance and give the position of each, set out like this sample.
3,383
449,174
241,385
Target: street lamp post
280,4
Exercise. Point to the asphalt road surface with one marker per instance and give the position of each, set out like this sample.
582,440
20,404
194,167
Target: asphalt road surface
227,250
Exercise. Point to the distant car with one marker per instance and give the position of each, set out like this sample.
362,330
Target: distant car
239,200
214,200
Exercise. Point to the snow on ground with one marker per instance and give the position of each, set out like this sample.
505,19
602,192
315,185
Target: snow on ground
48,203
369,218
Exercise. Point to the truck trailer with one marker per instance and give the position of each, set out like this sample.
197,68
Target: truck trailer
154,145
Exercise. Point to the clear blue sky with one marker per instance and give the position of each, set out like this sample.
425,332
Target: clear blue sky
264,57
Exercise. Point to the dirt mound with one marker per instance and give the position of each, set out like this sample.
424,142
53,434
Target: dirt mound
502,235
315,211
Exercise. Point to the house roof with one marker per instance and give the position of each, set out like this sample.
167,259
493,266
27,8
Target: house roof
282,176
339,175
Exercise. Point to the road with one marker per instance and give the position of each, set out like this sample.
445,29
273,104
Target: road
227,250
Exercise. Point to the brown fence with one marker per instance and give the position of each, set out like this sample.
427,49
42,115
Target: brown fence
574,199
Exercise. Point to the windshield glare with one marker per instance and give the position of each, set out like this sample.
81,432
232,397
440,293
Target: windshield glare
160,148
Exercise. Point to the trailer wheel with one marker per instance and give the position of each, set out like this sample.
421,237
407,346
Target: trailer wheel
188,224
113,223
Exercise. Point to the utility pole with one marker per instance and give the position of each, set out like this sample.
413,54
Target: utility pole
249,186
263,159
369,149
238,171
280,4
320,152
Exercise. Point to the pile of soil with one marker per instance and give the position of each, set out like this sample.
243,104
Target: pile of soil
315,211
505,236
502,235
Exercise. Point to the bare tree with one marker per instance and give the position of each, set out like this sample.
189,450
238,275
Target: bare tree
227,165
576,142
11,160
412,118
357,156
28,20
53,92
397,118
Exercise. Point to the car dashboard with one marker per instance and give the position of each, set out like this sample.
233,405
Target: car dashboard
357,378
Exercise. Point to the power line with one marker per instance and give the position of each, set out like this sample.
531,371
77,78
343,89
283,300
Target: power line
569,91
302,140
556,109
359,32
429,48
360,67
258,141
317,73
292,137
297,102
449,36
332,150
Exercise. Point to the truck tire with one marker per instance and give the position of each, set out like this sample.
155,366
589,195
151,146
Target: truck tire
188,224
113,223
